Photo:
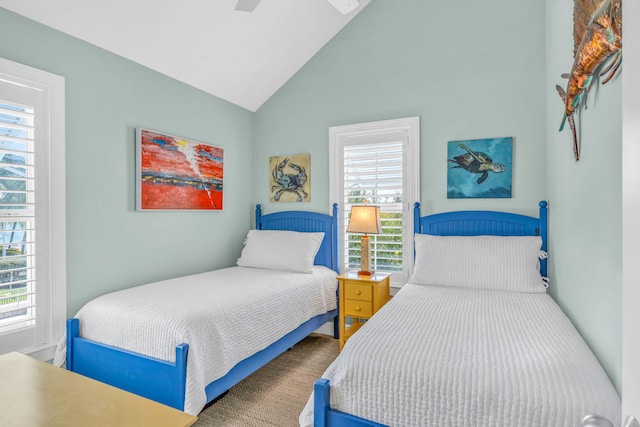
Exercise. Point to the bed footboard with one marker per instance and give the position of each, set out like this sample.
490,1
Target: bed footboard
152,378
163,381
324,416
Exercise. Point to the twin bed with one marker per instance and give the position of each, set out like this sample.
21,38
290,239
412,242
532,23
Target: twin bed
472,340
185,341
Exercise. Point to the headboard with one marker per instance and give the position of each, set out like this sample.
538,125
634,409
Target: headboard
474,223
307,222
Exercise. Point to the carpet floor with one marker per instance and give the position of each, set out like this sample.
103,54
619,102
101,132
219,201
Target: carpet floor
275,395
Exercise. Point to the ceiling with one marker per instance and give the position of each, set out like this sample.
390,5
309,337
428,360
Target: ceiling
242,57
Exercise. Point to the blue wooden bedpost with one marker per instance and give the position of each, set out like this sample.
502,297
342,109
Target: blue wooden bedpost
73,331
334,263
320,402
182,353
334,238
543,234
258,216
416,217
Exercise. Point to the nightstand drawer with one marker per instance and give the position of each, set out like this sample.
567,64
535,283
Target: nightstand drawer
357,308
357,291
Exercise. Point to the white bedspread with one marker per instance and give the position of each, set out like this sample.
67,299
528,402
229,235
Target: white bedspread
438,356
225,316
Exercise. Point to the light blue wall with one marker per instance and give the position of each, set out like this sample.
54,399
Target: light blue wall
473,70
586,210
109,245
467,71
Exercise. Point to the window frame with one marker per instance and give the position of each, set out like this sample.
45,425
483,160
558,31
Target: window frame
50,216
339,136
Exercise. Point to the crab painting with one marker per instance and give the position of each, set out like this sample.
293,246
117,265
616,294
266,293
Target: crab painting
293,182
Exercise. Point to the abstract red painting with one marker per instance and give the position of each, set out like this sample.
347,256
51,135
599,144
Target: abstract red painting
175,173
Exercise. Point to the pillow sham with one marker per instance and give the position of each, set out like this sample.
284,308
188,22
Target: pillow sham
509,263
280,250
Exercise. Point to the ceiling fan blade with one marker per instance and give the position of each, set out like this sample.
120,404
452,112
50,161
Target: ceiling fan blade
247,5
344,6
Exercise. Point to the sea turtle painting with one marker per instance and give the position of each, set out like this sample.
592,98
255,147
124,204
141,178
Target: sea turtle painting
479,168
476,162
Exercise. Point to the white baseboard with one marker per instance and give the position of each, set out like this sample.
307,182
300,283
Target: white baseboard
326,329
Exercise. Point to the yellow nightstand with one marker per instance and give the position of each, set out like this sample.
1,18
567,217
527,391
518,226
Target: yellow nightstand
360,298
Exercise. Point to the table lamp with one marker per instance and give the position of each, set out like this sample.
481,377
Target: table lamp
366,220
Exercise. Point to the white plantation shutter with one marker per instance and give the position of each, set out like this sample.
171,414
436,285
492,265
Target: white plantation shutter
32,214
374,173
17,219
377,162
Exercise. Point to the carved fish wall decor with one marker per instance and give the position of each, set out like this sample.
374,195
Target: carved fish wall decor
597,34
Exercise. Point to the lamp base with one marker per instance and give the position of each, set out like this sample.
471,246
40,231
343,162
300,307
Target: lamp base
365,259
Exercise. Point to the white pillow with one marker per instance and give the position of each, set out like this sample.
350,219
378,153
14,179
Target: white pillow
280,250
509,263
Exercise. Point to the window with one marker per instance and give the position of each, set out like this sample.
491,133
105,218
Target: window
377,163
32,211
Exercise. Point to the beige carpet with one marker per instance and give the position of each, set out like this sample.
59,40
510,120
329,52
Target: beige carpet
274,395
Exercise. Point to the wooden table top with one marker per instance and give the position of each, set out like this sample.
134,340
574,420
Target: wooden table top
35,393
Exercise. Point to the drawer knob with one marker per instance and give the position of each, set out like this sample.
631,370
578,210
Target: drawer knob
358,292
357,308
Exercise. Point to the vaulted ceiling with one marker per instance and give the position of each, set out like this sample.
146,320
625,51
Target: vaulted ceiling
242,57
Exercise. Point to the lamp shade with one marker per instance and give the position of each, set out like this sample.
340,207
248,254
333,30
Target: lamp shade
365,219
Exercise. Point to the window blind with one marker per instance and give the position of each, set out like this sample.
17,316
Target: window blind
373,173
17,217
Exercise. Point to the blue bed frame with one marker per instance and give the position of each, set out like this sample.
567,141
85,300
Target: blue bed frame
458,223
164,381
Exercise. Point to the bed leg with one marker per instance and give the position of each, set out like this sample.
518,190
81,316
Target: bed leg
321,401
336,319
